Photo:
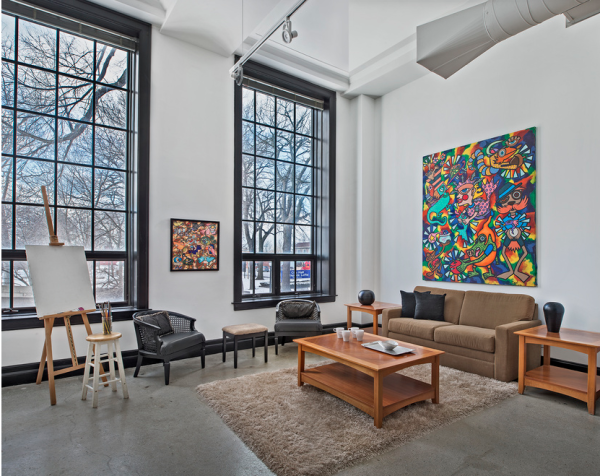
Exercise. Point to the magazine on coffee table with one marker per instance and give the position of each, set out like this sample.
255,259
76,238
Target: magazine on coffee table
398,350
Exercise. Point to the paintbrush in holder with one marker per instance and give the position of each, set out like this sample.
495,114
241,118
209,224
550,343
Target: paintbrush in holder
106,312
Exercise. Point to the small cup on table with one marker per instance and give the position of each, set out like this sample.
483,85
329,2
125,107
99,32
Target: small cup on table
346,336
359,335
353,331
338,331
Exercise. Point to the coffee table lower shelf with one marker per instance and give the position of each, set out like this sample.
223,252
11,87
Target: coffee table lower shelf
357,388
560,380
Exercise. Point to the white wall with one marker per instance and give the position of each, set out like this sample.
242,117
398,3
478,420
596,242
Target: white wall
547,77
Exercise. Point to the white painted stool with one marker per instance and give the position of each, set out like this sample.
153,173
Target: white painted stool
95,342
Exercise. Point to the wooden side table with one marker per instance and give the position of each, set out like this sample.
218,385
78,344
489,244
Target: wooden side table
374,309
556,379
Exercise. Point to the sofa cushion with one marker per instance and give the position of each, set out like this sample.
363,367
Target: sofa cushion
490,310
429,306
413,327
408,303
294,309
182,340
474,338
160,319
452,304
298,325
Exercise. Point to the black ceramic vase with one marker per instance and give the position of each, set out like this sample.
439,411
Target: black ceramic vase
553,313
366,297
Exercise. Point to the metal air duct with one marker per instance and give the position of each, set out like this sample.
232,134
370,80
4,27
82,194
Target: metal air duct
446,45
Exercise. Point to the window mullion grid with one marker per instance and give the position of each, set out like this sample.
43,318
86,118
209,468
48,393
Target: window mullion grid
14,158
56,134
93,184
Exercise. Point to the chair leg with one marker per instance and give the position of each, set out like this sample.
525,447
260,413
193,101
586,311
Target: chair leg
253,347
140,359
282,341
235,347
203,355
266,346
224,346
167,366
276,347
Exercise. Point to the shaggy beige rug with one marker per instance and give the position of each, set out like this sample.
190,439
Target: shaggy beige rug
306,431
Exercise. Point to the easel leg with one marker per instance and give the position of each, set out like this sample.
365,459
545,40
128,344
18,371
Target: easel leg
111,366
48,325
42,363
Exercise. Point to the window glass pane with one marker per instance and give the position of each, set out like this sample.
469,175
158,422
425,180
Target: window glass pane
285,208
247,137
303,120
75,98
285,114
35,136
303,239
248,171
265,141
111,65
74,185
247,204
303,150
109,189
7,221
265,205
285,177
8,84
36,90
30,226
285,239
303,179
31,175
22,290
37,45
248,104
5,283
285,146
303,278
76,56
264,238
247,269
74,227
111,107
74,142
7,179
110,281
262,277
265,109
265,173
247,237
110,148
109,231
8,39
287,276
303,210
7,131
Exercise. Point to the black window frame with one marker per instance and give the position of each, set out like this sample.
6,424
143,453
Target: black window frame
323,191
137,191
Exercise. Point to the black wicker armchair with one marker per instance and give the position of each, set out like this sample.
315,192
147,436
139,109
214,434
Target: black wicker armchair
157,340
297,318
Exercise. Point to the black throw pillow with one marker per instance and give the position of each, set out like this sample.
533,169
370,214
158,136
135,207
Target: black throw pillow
429,306
160,319
408,303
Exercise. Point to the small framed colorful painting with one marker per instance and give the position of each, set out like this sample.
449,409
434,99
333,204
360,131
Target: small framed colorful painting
194,245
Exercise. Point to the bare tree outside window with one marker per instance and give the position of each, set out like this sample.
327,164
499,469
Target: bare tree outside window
64,125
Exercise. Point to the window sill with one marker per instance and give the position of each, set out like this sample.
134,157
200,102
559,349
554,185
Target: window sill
30,320
272,301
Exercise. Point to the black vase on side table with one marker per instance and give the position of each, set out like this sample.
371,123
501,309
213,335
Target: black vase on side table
553,313
366,297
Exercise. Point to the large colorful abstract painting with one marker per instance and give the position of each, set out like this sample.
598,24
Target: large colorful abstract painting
194,245
479,222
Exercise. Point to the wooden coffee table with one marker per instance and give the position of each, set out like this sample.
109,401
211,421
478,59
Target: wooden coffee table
366,378
374,309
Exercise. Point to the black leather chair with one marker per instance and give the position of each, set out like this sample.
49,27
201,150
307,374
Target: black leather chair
297,318
158,341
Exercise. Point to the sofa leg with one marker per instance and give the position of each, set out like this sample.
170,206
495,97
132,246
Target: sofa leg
138,365
167,366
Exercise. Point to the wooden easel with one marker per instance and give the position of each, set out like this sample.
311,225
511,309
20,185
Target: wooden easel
49,324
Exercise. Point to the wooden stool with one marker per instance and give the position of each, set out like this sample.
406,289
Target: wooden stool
94,347
245,331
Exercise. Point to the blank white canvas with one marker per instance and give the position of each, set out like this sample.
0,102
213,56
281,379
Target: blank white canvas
60,279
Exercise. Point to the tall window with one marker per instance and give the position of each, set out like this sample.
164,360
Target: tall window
279,218
65,122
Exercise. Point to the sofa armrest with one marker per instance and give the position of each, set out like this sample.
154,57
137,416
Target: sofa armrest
388,314
506,362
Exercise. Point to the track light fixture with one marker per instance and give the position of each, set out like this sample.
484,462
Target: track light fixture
288,34
238,76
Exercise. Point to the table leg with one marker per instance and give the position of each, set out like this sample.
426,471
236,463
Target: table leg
375,323
378,400
300,364
546,355
435,379
349,318
522,363
591,390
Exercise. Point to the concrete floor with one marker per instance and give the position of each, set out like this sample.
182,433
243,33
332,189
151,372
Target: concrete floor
167,430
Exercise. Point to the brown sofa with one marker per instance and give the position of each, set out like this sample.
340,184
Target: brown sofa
477,334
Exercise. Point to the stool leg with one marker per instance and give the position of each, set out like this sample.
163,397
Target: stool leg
224,347
253,346
97,348
266,346
111,366
86,372
235,343
121,369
